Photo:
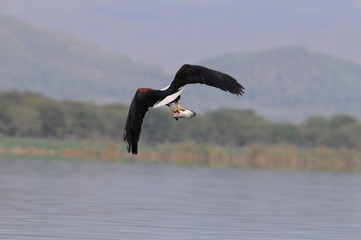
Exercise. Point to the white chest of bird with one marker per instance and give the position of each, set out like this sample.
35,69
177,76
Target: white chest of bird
183,114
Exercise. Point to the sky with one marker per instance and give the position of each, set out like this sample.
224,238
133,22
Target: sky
168,33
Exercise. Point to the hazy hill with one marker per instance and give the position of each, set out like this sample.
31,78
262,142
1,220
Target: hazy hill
170,32
62,66
293,82
65,67
281,84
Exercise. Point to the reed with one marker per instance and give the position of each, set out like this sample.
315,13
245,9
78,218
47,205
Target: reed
257,156
251,156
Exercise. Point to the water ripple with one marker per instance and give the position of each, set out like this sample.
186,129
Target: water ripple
88,200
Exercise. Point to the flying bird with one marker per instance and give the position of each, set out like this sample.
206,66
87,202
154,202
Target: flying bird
145,98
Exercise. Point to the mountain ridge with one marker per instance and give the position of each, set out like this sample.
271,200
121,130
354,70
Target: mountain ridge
295,77
66,67
285,83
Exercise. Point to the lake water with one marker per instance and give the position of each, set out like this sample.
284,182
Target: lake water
55,199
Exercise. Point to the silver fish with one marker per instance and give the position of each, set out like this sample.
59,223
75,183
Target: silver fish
183,114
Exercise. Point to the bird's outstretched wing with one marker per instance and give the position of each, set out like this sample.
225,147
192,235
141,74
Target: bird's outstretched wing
145,98
142,100
188,74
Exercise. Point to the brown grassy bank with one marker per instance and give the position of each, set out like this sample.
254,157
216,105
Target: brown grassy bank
259,156
108,151
252,156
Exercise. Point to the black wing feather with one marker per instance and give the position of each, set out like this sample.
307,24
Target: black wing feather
189,74
141,102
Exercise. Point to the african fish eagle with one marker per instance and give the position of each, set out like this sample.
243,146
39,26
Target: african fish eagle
145,98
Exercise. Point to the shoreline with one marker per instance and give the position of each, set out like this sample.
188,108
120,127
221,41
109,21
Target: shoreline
251,156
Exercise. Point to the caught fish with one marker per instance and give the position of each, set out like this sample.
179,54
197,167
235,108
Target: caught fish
183,114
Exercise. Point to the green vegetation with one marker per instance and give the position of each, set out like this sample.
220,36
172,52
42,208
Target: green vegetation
31,115
33,125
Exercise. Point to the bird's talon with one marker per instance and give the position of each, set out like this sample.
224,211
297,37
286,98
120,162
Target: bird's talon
180,108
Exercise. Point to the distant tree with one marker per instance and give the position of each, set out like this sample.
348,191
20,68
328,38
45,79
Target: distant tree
82,120
25,121
314,131
52,119
341,120
284,133
28,114
344,132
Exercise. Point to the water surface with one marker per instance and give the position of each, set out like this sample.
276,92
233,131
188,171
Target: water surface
54,199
